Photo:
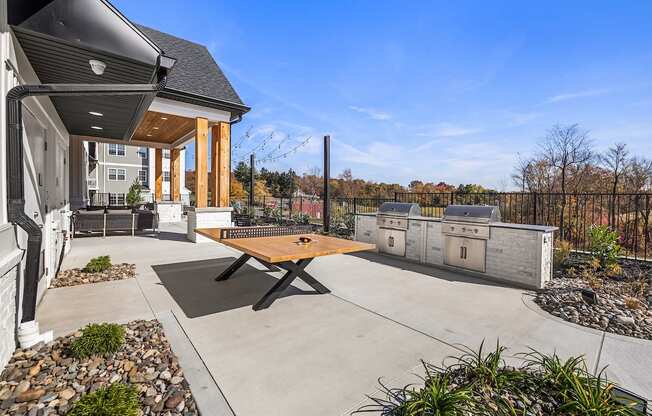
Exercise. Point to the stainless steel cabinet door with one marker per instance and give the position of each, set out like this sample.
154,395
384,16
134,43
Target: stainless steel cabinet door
468,253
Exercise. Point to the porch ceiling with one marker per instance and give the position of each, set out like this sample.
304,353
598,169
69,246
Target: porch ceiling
162,128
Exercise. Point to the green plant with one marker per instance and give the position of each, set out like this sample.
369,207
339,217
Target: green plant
134,196
562,252
98,264
301,218
438,397
98,339
116,400
486,369
277,215
604,245
592,396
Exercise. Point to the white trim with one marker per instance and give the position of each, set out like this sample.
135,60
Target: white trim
129,165
164,105
117,174
101,140
108,149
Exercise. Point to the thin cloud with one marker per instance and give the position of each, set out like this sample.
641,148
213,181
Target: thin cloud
372,113
447,130
574,95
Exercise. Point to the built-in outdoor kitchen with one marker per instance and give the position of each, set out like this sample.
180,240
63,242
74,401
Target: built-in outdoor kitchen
469,238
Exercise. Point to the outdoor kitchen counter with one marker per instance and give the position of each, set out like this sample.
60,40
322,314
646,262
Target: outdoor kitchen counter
540,228
519,254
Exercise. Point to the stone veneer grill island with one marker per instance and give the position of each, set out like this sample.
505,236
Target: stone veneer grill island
518,254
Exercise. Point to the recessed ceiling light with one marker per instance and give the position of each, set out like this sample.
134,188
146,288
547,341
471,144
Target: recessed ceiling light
155,128
149,135
164,118
97,128
95,113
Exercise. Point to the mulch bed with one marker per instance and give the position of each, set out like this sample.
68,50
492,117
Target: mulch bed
74,277
624,301
47,380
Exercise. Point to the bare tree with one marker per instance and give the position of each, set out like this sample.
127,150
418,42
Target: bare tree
522,173
639,175
616,161
566,148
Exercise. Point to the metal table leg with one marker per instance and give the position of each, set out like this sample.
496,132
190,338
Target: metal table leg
233,267
294,270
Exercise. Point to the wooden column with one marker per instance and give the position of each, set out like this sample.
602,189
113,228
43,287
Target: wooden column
158,175
201,163
221,164
175,174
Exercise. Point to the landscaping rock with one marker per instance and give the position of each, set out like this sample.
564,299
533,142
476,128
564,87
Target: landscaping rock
74,277
47,380
621,306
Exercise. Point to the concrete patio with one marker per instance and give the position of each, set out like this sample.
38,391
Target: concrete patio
320,354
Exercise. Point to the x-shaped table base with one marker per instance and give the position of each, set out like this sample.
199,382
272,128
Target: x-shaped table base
293,270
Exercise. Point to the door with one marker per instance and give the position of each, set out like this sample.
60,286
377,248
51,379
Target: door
391,241
467,253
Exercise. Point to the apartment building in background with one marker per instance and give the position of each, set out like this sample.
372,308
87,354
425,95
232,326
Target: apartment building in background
113,168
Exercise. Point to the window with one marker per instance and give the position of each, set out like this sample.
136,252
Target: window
166,176
166,153
117,174
143,152
116,149
142,177
116,199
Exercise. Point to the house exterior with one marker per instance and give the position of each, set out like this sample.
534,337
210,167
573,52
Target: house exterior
113,168
77,72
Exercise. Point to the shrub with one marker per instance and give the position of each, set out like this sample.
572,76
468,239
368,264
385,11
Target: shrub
562,253
482,384
632,303
604,245
98,339
301,218
98,264
277,215
134,196
116,400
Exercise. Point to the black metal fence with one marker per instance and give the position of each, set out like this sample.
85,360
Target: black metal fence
627,213
630,214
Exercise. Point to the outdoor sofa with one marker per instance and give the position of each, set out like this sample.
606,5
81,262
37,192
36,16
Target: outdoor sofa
110,219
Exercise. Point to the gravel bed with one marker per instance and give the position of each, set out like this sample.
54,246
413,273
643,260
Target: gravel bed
623,303
74,277
47,380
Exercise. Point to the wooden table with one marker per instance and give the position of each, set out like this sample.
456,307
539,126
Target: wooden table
286,252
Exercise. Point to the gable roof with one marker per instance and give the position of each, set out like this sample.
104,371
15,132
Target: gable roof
195,73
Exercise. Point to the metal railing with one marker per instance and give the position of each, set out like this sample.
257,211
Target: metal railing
630,214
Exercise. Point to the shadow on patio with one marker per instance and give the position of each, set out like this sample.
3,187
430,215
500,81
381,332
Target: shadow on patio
193,287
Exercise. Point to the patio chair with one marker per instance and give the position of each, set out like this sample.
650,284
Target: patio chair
88,221
120,220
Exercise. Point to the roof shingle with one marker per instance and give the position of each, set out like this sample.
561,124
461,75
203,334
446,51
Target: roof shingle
195,71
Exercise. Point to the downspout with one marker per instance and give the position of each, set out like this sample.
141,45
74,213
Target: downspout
15,180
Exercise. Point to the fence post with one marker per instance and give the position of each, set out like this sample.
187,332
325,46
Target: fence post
290,204
395,196
355,204
452,198
534,194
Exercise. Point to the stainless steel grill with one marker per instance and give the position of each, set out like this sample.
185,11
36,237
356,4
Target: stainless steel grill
466,231
392,220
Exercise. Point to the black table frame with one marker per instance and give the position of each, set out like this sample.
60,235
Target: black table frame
293,270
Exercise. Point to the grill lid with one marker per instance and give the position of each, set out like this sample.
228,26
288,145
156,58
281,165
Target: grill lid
399,209
472,213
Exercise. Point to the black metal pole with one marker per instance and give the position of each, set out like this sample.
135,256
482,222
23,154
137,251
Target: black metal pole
252,182
327,172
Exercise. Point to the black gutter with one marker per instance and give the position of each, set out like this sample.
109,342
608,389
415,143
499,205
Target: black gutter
15,175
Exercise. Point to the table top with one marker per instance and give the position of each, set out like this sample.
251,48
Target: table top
287,247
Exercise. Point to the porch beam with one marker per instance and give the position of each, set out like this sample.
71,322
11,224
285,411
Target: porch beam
201,162
220,164
158,175
175,174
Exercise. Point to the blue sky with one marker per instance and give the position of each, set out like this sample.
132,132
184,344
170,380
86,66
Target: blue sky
449,91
